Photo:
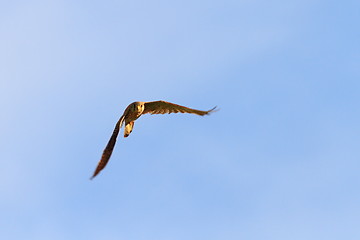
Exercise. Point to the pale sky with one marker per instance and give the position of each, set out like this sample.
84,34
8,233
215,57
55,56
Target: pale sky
279,161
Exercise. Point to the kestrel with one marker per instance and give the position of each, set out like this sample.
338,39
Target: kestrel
133,112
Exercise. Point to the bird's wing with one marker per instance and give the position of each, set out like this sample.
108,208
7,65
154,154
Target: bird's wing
162,107
109,148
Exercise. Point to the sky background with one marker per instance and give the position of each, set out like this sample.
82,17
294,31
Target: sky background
280,160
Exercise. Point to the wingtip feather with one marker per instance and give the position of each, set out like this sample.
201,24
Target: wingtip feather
214,109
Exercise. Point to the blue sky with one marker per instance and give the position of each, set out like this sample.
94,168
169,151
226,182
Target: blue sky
280,160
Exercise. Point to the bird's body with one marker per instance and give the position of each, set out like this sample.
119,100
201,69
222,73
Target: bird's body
132,113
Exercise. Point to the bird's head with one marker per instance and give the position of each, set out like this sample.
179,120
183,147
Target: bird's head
138,107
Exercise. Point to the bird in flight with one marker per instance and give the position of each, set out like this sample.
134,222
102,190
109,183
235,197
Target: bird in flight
133,112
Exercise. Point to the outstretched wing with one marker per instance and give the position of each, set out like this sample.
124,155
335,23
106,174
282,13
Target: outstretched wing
162,107
109,148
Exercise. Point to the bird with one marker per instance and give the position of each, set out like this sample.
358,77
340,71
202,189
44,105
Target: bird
132,113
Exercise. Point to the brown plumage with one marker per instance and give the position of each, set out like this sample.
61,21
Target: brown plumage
133,112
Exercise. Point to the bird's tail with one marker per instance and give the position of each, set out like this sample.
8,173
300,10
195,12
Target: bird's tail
128,128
